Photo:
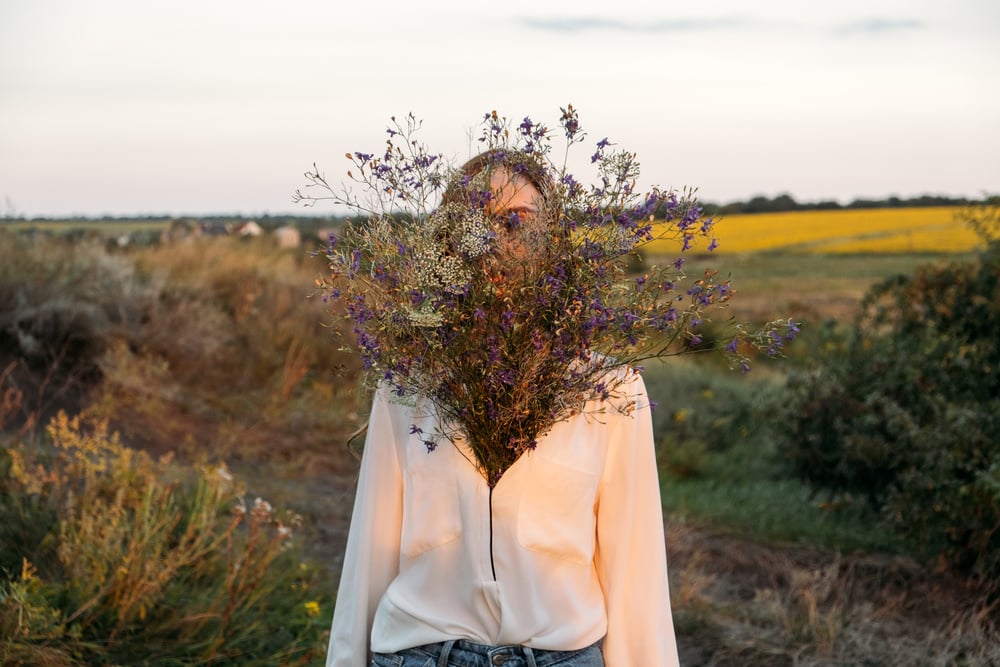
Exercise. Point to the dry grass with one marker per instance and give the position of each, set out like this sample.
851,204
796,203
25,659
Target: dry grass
232,353
741,603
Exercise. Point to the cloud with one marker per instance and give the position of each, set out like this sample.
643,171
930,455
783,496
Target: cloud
880,25
580,24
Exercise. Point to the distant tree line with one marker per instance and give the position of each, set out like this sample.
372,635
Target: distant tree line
785,202
267,221
758,204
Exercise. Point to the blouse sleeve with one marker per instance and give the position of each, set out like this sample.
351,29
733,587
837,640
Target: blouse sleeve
631,556
371,560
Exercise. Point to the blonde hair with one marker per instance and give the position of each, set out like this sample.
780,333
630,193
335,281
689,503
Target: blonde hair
516,162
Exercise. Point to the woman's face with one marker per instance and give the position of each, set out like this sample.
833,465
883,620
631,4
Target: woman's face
513,193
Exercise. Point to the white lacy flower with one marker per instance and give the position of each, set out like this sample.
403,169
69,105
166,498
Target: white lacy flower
425,317
452,274
425,262
262,505
616,240
475,234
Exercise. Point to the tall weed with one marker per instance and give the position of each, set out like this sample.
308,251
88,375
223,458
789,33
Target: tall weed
114,558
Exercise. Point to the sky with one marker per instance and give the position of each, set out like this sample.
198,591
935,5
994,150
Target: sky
189,107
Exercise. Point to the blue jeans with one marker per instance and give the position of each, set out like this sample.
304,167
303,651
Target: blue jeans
462,653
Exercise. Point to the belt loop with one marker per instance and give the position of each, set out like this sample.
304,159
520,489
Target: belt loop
445,652
529,654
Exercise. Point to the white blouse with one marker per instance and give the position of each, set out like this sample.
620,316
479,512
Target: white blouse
566,549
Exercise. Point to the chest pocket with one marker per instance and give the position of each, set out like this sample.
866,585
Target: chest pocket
556,514
431,514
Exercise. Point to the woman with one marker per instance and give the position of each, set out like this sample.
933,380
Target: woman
559,563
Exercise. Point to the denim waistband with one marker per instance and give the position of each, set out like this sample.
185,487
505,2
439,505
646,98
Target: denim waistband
464,653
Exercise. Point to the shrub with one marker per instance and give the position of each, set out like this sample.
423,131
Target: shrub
172,344
59,304
908,417
111,558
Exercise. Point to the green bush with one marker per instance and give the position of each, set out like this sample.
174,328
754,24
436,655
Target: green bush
110,558
705,406
908,416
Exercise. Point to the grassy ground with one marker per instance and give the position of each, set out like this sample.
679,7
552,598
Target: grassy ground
212,349
809,287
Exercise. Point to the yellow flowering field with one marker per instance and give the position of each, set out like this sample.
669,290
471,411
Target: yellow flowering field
885,230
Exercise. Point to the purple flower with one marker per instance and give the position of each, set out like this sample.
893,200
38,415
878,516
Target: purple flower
691,216
537,340
776,343
359,310
573,187
570,122
599,153
793,329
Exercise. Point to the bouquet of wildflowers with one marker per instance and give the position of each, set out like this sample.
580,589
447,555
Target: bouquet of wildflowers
508,319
